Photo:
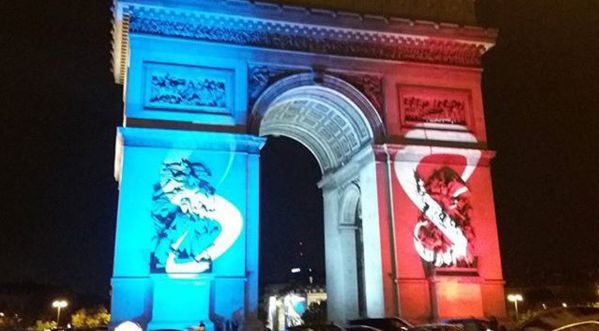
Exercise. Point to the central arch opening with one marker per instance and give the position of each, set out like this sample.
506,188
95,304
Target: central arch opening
292,260
289,200
327,117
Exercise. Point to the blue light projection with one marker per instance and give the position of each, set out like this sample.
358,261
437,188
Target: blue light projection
187,228
186,246
193,225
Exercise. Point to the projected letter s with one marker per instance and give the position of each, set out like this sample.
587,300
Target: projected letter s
443,233
193,225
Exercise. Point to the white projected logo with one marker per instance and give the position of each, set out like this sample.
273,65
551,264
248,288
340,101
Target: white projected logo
193,224
443,234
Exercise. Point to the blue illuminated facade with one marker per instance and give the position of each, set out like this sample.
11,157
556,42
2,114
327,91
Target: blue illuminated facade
185,227
186,246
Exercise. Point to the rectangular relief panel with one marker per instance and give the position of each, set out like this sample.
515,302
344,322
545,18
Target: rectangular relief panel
182,211
445,226
435,108
195,227
188,89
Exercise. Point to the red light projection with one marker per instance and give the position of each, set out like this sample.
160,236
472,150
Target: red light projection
446,248
437,185
439,243
444,234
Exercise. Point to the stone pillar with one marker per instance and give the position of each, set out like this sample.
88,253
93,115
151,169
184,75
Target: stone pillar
187,229
351,188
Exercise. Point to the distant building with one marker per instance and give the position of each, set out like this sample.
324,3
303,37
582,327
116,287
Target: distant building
285,305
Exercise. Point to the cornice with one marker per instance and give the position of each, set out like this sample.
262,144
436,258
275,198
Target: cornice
383,151
184,139
287,28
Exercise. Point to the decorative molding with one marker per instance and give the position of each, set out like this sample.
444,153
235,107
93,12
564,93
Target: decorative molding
120,47
295,86
348,201
371,86
306,38
326,123
450,11
327,132
401,32
260,76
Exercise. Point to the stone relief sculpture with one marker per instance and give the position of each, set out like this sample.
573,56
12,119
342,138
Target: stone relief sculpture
434,110
261,76
437,184
168,89
193,225
444,234
371,86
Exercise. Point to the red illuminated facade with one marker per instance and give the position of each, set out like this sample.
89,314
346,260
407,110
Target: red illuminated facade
437,216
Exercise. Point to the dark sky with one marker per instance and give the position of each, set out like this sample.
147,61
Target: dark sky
60,107
541,96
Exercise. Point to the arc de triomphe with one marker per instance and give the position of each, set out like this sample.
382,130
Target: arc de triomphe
390,107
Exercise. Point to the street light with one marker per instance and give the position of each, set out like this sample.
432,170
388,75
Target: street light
515,298
59,304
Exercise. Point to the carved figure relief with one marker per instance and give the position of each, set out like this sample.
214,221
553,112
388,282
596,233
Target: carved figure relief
193,225
169,89
186,88
434,110
437,185
262,76
433,105
371,86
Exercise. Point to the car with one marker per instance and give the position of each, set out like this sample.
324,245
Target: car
472,324
316,327
438,327
332,327
360,328
563,319
384,324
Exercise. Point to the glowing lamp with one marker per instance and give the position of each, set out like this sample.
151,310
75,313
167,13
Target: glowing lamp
128,326
59,304
515,298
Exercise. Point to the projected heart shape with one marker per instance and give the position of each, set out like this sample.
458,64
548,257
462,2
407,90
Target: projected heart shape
435,180
194,226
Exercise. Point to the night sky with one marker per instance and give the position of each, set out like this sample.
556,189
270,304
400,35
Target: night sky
60,107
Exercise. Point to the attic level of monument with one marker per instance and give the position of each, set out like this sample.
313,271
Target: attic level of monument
300,29
454,11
